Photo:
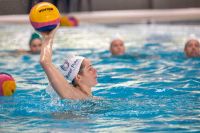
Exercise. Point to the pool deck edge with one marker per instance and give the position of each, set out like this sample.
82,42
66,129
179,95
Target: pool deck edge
122,16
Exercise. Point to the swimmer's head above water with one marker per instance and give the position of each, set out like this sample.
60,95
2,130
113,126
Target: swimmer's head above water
192,48
117,47
79,71
35,43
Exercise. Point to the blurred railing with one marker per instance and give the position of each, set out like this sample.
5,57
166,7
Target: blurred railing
66,6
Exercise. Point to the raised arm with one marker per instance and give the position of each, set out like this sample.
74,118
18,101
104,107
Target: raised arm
57,80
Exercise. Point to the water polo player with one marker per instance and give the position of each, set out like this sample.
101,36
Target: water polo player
117,47
75,69
192,48
35,44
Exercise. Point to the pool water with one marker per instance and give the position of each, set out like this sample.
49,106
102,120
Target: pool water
153,88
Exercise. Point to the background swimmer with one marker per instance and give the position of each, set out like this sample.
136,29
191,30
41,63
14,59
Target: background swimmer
117,47
35,44
192,48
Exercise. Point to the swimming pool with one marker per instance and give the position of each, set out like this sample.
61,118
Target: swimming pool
154,87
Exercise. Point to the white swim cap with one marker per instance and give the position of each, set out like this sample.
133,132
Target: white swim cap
71,66
191,37
116,37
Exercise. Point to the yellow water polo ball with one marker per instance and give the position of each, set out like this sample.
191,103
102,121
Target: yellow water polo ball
44,16
7,84
69,21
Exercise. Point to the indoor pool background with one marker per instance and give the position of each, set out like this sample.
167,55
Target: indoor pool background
154,87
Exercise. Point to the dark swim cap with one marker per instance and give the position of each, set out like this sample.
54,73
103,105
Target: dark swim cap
35,35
